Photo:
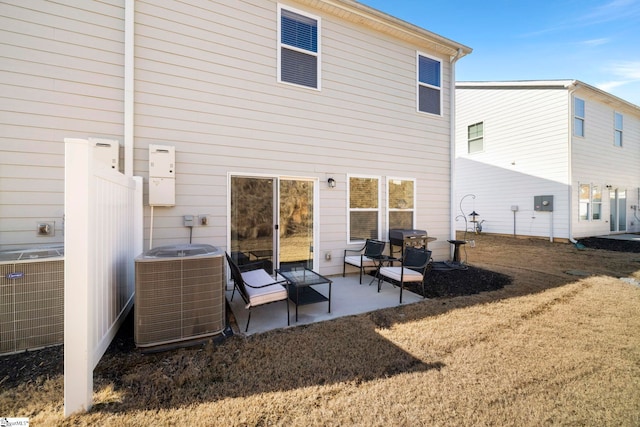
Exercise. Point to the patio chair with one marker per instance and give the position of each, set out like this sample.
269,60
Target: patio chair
415,265
257,287
366,256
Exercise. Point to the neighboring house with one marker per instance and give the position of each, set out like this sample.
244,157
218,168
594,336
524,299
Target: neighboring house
264,103
564,139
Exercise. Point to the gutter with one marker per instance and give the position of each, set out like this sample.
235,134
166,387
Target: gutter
452,142
571,87
129,29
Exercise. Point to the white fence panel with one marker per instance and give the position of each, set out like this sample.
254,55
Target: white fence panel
103,235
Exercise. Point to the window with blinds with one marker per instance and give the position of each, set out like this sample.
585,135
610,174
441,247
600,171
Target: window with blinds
429,85
299,48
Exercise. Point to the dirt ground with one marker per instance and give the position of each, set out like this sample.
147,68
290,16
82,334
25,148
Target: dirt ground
523,265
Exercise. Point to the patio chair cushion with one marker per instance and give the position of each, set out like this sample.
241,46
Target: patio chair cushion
357,260
258,296
395,273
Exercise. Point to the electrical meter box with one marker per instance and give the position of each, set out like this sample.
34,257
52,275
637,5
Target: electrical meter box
162,171
543,203
106,152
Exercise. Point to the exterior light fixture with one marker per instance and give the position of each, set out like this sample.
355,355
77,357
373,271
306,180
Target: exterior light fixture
331,182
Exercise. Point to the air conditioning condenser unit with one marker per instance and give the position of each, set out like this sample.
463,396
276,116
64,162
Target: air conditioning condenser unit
179,294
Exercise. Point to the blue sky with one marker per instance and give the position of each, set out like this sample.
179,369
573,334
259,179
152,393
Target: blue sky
597,42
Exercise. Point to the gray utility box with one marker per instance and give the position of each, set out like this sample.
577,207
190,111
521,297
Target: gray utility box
543,203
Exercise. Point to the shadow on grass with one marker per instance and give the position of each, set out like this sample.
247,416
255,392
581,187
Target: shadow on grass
342,350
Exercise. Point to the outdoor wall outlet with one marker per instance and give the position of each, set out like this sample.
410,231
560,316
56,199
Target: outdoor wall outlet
204,220
327,256
45,228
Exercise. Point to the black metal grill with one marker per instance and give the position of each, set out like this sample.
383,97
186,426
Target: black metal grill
406,237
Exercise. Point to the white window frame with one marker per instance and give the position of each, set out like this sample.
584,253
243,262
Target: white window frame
476,139
350,210
617,131
590,206
427,85
576,117
389,209
294,48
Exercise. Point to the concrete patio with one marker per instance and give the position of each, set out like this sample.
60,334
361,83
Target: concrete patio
348,297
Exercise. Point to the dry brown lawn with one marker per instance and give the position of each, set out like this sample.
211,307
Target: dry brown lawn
550,349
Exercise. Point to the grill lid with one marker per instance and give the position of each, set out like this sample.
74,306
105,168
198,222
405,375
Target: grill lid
399,234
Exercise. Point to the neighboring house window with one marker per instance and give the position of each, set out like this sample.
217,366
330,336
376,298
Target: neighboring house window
475,135
617,141
590,202
299,48
364,208
429,85
578,117
402,201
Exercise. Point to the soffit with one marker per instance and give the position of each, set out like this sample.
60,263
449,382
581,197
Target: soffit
358,13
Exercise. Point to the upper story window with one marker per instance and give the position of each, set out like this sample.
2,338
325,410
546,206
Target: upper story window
578,117
429,85
617,133
475,135
298,48
402,202
364,208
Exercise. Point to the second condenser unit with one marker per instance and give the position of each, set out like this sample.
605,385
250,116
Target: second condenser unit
179,294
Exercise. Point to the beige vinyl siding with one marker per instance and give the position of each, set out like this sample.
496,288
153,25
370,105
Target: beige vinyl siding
206,83
525,154
61,77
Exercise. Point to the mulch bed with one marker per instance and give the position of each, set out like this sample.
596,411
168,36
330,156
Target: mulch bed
443,282
38,365
611,244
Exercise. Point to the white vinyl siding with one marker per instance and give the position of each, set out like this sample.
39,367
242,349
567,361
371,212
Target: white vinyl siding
298,48
533,152
62,76
528,157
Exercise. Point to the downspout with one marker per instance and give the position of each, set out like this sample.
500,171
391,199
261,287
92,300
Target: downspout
452,143
571,88
129,41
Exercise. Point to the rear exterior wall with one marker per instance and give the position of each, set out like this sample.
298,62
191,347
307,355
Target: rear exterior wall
205,83
525,154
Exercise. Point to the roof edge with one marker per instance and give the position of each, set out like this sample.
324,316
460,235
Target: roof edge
546,84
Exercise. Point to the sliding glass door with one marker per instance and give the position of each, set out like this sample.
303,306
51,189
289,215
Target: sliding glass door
618,210
260,206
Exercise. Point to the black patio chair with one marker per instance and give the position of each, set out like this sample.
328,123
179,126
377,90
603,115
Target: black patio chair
257,287
365,258
415,265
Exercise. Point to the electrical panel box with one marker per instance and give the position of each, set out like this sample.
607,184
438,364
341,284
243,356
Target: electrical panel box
106,152
162,183
543,203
